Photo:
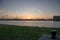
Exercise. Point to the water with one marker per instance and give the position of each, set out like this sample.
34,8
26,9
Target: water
33,23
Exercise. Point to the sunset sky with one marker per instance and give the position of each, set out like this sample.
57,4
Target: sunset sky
29,9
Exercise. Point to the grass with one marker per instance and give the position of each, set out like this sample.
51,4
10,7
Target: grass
12,32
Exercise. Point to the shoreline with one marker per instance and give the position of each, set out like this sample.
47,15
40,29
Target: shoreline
31,26
29,19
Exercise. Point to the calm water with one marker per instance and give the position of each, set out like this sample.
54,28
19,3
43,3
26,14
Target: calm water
33,23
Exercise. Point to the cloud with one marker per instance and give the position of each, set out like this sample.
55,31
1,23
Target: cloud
5,12
1,11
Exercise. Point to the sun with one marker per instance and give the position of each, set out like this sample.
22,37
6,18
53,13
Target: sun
28,17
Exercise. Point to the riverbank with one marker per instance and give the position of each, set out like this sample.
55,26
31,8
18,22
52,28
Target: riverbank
13,32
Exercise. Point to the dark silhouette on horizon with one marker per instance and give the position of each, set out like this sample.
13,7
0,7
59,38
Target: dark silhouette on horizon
55,18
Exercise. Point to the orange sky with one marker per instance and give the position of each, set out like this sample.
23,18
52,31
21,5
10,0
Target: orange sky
27,17
29,9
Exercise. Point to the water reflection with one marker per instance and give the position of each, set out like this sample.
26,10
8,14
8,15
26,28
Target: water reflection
56,24
33,23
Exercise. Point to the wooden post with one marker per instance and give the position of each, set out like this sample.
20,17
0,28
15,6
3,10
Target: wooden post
53,34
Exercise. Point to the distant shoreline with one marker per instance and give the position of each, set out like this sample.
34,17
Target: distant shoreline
28,19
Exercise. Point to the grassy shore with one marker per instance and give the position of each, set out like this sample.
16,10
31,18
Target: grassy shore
13,32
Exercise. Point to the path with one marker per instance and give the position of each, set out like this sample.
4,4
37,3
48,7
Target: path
48,37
